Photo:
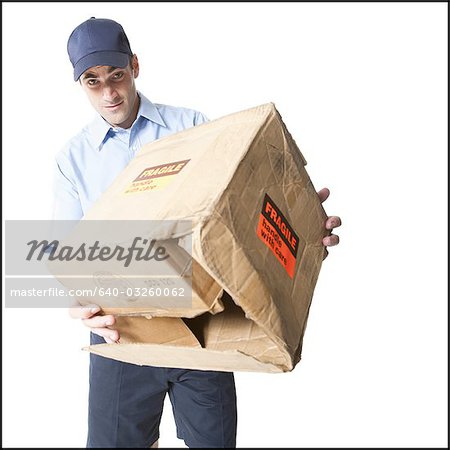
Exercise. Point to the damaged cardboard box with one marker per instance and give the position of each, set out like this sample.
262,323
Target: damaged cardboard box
256,234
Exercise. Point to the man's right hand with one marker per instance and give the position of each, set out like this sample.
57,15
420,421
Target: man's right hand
98,324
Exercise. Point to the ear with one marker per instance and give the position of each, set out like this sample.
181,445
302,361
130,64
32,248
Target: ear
135,66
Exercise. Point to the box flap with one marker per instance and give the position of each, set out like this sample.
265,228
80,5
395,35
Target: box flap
158,330
206,297
181,357
225,339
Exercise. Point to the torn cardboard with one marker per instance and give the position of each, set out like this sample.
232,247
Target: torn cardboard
257,229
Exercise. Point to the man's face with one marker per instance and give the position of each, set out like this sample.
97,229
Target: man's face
112,92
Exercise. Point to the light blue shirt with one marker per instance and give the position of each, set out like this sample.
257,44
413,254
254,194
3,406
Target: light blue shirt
91,160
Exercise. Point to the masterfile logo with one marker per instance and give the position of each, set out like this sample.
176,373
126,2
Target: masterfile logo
156,177
275,231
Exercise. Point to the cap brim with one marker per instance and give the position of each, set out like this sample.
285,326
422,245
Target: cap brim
114,59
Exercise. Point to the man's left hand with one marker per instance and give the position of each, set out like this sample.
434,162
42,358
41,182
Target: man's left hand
331,223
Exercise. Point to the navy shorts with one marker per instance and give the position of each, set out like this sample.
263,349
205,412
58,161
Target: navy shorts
126,403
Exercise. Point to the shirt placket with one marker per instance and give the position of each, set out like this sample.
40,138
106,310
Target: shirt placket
135,144
124,137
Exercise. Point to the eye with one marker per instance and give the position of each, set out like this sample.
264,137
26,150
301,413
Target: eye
91,82
117,75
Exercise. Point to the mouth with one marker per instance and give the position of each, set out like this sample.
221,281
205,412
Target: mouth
113,107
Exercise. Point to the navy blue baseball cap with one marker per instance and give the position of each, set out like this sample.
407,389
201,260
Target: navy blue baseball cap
98,42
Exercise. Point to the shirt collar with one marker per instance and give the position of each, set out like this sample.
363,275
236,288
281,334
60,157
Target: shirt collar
100,128
148,110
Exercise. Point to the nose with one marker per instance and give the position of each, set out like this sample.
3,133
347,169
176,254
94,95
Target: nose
109,93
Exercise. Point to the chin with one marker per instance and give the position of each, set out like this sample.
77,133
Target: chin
115,120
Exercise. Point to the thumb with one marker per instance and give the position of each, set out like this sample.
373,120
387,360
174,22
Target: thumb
84,312
323,194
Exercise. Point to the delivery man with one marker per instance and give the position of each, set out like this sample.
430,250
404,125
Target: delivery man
126,400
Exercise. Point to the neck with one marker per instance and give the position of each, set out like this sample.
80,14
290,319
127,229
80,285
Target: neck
133,115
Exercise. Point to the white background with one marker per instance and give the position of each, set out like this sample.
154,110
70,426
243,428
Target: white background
363,90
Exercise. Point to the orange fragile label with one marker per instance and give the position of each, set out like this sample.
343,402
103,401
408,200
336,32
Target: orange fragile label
156,177
275,231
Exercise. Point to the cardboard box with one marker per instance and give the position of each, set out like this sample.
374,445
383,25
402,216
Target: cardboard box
257,229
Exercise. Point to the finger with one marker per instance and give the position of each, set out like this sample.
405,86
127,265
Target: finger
325,254
112,335
333,222
330,241
99,321
84,312
323,194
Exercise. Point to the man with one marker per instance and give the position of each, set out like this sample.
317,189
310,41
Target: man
126,400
